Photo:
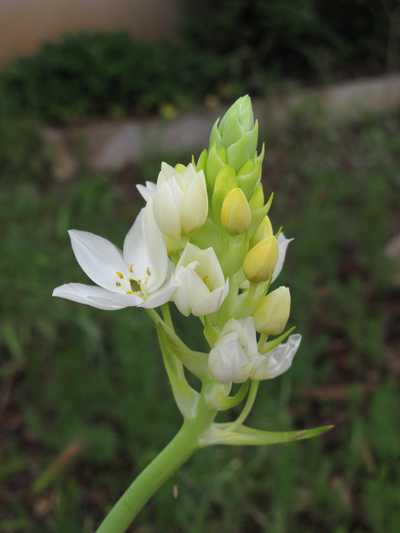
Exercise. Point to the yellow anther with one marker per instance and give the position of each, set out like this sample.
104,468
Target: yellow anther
118,284
120,275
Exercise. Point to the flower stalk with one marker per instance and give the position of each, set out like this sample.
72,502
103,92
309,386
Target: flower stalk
163,466
204,242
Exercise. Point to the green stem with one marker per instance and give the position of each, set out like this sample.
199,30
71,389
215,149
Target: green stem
177,452
247,407
166,313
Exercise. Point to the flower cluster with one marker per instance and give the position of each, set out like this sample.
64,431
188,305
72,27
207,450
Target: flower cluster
204,242
166,256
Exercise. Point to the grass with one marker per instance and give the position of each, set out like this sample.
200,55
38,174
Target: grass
84,402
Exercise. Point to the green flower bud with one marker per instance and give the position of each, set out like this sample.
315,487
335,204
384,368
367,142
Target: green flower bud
249,176
264,230
225,182
202,161
238,119
230,249
257,198
243,149
215,162
237,133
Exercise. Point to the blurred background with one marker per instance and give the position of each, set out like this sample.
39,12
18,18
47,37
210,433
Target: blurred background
84,401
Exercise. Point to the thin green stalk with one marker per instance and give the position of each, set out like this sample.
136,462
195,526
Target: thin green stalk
177,452
247,406
166,313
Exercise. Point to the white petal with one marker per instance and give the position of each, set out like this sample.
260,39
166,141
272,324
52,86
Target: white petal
156,251
98,258
147,191
207,264
145,250
166,173
277,361
201,284
95,296
190,289
283,243
211,302
248,335
135,249
195,202
227,361
160,296
167,208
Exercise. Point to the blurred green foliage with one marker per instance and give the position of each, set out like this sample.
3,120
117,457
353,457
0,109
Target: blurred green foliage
75,376
92,74
223,50
301,39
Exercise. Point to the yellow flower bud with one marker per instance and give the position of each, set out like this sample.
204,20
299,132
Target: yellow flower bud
235,212
263,231
272,313
260,260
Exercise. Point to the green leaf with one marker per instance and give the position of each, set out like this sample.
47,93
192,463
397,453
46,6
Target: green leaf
185,396
246,436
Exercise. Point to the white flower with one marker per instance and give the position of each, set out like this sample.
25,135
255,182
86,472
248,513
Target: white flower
179,198
277,361
140,276
201,286
230,359
235,357
283,244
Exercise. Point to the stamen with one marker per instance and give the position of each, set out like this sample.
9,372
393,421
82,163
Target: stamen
130,268
135,286
118,284
120,275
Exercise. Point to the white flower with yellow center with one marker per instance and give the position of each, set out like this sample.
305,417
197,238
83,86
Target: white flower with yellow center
138,276
179,198
235,358
201,285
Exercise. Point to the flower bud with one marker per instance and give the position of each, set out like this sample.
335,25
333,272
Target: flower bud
260,260
238,118
224,182
249,176
215,162
180,200
243,149
272,313
202,161
263,231
237,133
257,198
235,212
